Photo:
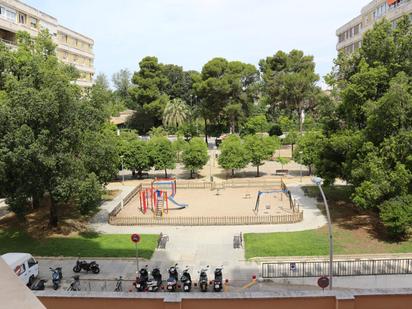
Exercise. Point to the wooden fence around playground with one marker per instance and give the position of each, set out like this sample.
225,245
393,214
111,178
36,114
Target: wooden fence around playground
295,217
208,221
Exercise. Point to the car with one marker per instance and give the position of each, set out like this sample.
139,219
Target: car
24,265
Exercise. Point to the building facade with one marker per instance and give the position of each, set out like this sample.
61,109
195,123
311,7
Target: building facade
72,47
350,35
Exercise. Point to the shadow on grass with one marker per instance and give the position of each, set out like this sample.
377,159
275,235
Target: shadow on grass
345,214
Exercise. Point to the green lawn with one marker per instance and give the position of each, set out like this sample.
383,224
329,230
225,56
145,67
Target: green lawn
92,245
315,242
355,231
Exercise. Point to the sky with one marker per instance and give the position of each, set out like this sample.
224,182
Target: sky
191,32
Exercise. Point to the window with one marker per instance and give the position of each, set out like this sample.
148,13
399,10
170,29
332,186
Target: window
22,18
33,22
2,11
31,262
11,15
77,42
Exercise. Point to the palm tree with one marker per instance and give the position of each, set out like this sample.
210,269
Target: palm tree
175,113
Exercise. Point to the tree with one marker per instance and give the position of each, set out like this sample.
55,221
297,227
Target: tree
45,123
162,154
195,155
233,154
260,149
283,161
289,82
396,214
179,146
136,156
222,84
256,124
175,113
122,83
102,81
309,146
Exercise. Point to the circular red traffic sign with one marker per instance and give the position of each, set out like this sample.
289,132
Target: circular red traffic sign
135,238
323,282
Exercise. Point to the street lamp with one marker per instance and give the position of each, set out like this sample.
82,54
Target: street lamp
122,170
300,164
319,181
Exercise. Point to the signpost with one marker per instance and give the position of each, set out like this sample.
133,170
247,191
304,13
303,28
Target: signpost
293,266
136,239
323,282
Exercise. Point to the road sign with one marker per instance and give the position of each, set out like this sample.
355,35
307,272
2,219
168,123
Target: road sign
135,238
293,266
323,282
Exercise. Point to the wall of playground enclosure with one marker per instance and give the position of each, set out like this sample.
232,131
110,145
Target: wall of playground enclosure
294,217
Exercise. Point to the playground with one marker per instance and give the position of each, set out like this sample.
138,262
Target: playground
165,199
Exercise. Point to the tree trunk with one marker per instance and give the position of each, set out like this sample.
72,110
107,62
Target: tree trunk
207,142
292,149
191,174
165,173
36,200
310,169
233,172
53,219
140,174
257,171
133,174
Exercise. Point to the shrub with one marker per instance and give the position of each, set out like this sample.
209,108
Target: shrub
396,215
89,194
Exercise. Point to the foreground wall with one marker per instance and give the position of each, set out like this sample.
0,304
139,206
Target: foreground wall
368,299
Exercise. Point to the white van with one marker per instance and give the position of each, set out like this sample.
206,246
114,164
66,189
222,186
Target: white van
24,265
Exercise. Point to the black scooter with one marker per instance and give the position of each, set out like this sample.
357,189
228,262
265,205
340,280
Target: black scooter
141,280
83,265
186,280
203,281
156,282
173,278
218,282
57,276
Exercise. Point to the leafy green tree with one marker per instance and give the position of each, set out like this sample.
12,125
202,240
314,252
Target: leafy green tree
260,149
102,81
45,123
175,113
162,154
195,155
396,215
256,124
289,82
309,146
291,138
233,154
179,146
122,83
137,157
283,161
89,194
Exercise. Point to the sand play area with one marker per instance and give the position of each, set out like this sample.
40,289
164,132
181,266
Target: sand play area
221,203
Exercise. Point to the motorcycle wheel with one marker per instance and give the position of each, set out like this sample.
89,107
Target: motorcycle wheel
76,269
55,286
95,270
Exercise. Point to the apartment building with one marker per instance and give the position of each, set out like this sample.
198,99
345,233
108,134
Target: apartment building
72,47
350,35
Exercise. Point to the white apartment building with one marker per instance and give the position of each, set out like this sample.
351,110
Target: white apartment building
72,47
350,35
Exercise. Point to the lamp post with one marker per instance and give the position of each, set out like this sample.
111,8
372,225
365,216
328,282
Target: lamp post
122,170
319,181
300,164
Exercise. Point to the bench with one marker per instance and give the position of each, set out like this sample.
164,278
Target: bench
282,172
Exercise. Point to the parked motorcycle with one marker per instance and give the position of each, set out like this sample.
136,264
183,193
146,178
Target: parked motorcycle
173,278
218,282
57,276
156,282
203,281
38,285
84,265
142,279
186,280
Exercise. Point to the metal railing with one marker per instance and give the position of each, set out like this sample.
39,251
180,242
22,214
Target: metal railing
371,267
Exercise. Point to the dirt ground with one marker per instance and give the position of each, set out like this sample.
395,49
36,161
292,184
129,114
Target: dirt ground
228,202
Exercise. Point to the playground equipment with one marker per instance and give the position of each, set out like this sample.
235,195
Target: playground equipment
168,185
261,193
156,200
